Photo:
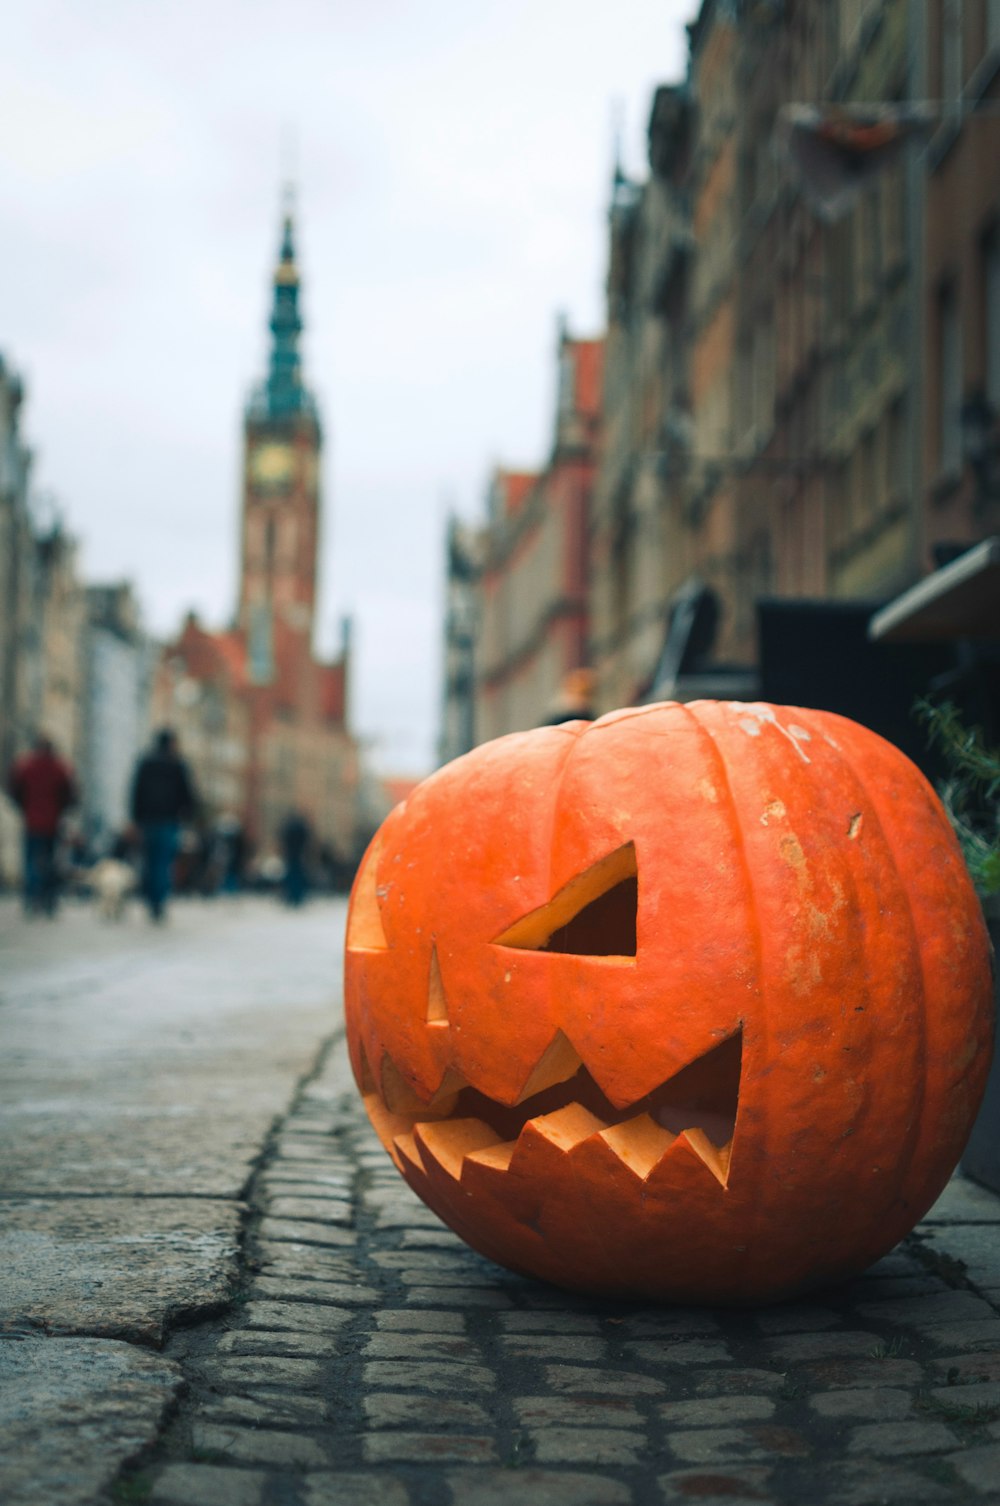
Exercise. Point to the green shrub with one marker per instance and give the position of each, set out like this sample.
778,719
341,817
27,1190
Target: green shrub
971,792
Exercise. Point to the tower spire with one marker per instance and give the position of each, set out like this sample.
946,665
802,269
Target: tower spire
284,390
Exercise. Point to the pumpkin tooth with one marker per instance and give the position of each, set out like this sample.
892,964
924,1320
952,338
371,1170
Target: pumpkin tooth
640,1143
405,1148
449,1141
558,1063
496,1157
567,1127
715,1157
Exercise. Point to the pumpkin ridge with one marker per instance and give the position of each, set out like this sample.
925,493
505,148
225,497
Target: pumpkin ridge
709,741
904,1161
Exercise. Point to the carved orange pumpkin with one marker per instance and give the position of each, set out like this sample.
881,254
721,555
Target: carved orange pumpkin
690,1003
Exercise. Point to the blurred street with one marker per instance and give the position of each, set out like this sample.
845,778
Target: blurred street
216,1289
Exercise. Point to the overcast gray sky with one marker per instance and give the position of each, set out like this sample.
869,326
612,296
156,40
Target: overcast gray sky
453,164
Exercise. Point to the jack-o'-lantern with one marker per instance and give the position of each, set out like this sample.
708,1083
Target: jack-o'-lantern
689,1003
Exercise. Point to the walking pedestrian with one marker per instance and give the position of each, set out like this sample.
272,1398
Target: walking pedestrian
43,786
295,837
162,798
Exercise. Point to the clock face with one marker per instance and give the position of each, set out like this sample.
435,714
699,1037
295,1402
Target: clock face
272,465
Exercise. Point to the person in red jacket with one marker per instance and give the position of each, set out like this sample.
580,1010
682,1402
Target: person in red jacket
43,786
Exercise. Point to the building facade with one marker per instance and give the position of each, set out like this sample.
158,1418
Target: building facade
532,582
117,670
960,416
801,397
261,718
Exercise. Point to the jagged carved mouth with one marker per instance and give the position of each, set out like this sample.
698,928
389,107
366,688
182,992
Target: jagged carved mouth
562,1103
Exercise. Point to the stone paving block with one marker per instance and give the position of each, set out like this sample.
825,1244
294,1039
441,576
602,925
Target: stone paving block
305,1261
406,1218
420,1346
977,1246
537,1346
298,1232
405,1320
258,1445
273,1409
208,1485
451,1280
294,1317
431,1239
739,1381
535,1487
448,1262
428,1375
471,1296
747,1487
715,1445
279,1345
427,1448
327,1183
680,1323
600,1446
568,1379
289,1289
577,1412
716,1411
117,1268
796,1347
834,1374
894,1286
874,1406
288,1148
354,1489
389,1409
983,1334
982,1395
901,1438
72,1411
678,1352
560,1323
263,1373
929,1311
312,1209
963,1202
980,1468
983,1366
796,1318
877,1482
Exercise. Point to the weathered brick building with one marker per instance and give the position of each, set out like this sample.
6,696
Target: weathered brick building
532,581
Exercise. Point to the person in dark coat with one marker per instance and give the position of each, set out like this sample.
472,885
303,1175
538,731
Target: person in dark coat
162,799
43,786
295,838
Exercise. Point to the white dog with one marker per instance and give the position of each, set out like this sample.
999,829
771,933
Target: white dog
112,882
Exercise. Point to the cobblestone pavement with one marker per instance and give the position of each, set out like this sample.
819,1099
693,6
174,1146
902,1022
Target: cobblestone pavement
368,1358
371,1358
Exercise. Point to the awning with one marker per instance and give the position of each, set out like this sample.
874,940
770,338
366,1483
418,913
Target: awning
962,600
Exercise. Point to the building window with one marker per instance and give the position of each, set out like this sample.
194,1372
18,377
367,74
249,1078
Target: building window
897,478
991,312
949,381
992,23
951,55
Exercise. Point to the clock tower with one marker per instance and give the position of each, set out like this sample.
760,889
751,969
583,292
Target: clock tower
279,527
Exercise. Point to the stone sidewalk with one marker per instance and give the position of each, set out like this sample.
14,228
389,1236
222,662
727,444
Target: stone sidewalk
370,1359
363,1356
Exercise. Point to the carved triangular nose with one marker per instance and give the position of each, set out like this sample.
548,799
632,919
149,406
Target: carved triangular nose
594,915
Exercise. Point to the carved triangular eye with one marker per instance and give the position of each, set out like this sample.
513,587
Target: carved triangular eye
365,931
594,915
437,1004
